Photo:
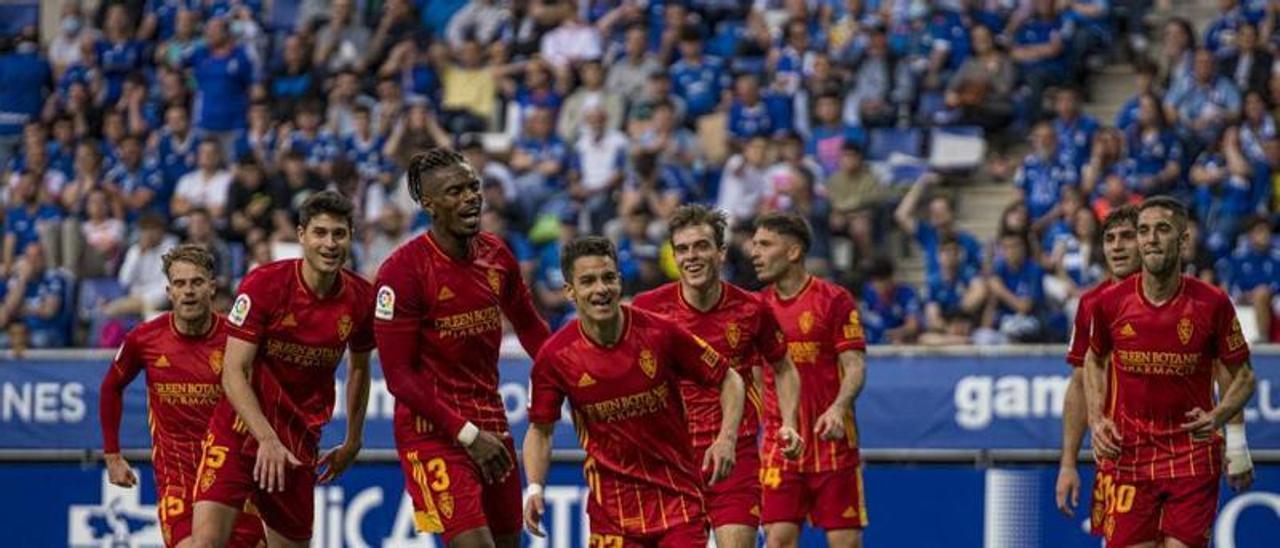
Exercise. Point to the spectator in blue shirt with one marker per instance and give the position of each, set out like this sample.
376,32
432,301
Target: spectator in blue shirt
1155,149
698,80
223,73
1222,181
1205,104
30,219
748,116
941,223
294,81
539,160
954,300
1091,34
890,311
1219,38
365,149
139,186
1017,291
548,280
1040,179
117,52
829,136
1146,73
1074,128
24,79
538,91
310,140
34,310
1039,48
1252,273
173,150
259,138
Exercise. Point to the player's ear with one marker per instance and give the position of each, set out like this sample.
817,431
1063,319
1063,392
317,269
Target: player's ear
568,291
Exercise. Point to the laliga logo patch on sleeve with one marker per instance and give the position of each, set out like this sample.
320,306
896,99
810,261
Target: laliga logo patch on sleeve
386,307
239,310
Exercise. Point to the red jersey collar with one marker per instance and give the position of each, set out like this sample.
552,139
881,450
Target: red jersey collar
213,326
435,246
1143,296
333,291
808,282
724,290
625,311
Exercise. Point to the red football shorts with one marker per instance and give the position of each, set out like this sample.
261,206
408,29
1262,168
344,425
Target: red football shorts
450,495
735,500
1102,477
1145,511
225,476
831,500
684,535
174,502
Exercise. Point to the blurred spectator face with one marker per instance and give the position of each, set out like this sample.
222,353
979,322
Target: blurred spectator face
131,152
295,168
37,160
798,35
176,120
982,41
1226,5
821,67
209,156
113,126
949,256
96,205
690,49
1246,37
340,10
1114,189
308,120
117,19
185,26
828,109
592,75
172,85
347,85
249,175
536,76
1071,200
419,117
664,118
1067,104
388,90
1148,111
1109,144
1084,224
596,118
636,42
77,96
1260,237
27,189
755,151
940,214
150,235
747,89
1120,247
1044,139
87,160
791,150
34,256
34,135
199,227
850,160
1015,249
1015,218
539,123
1255,109
1188,249
470,54
697,255
259,116
658,86
1203,66
293,53
363,122
64,131
1044,8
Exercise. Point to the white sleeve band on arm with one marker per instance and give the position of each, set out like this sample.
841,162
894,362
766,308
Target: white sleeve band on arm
532,490
467,435
1238,459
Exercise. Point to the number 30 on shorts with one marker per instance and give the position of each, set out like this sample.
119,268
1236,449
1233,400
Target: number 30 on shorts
604,541
1118,498
434,476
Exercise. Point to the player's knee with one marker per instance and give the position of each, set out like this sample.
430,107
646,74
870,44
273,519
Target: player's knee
475,538
782,537
197,540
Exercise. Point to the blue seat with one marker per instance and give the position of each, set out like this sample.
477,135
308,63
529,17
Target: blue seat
886,141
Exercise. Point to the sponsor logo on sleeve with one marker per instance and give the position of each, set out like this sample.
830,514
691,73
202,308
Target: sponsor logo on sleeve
240,310
386,306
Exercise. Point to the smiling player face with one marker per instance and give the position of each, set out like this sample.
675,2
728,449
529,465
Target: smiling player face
454,200
1120,248
326,243
697,255
595,288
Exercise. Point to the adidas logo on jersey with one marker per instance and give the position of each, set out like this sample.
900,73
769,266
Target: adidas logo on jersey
849,513
444,294
289,321
585,381
1127,331
163,361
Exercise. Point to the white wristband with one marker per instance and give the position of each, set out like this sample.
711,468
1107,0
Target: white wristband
534,489
468,434
1238,459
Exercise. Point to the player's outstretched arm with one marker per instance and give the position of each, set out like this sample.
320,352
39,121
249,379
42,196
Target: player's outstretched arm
273,457
1106,439
537,459
119,375
787,383
719,458
830,425
337,460
1074,423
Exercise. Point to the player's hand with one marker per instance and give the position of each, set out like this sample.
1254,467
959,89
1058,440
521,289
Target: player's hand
118,471
830,425
1106,438
534,507
1203,424
336,461
718,460
1068,490
490,453
792,443
273,460
1241,482
1239,469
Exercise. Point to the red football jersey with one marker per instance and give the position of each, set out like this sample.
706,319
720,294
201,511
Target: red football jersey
439,331
742,329
628,414
184,384
1079,345
301,338
819,322
1161,368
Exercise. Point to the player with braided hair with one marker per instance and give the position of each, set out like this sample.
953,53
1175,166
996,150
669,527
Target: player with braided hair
438,324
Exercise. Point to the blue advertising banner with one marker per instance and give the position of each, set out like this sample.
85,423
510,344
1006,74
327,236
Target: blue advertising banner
70,505
923,402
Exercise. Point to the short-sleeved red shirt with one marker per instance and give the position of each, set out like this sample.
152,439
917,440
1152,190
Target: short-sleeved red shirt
629,417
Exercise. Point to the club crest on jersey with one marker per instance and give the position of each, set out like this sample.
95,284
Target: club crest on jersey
386,303
1236,339
853,329
495,281
1185,330
806,322
732,334
215,362
344,327
445,502
240,310
648,364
